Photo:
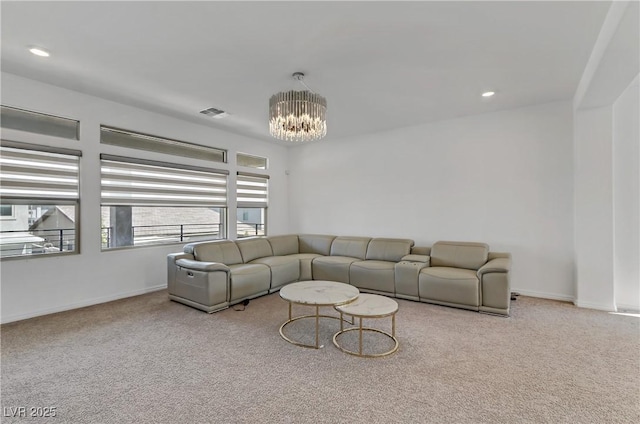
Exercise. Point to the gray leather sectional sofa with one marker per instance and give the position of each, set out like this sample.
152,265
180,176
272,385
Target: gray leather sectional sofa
213,275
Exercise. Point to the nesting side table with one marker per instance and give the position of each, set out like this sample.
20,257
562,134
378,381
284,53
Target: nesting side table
368,306
315,293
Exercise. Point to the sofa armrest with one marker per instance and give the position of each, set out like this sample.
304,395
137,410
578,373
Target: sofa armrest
417,258
495,265
201,266
495,285
173,257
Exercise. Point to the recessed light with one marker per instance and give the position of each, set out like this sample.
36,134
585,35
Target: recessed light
38,51
488,93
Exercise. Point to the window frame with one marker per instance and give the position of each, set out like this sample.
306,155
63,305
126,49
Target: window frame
47,201
160,166
136,140
246,204
239,154
38,119
11,216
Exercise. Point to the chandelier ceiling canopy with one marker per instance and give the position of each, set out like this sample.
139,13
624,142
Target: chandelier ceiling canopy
298,115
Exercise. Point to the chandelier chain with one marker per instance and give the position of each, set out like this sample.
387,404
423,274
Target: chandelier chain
306,86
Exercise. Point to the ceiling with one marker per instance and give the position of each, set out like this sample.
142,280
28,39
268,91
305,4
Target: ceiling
381,65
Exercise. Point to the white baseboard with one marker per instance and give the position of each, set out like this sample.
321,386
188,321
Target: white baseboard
628,308
84,303
593,305
544,295
555,296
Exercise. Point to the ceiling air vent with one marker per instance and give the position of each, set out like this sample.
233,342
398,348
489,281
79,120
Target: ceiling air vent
213,112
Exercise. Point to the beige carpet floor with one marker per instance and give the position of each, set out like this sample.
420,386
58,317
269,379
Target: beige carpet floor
148,360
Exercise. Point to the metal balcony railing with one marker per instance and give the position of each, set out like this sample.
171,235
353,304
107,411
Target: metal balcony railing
246,229
35,242
157,234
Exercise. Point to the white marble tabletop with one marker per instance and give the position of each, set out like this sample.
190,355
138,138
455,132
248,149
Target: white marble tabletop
319,292
370,305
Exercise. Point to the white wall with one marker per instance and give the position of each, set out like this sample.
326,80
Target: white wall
19,220
503,178
626,198
594,208
37,286
606,166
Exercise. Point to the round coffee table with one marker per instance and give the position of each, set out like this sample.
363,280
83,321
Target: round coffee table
368,306
315,293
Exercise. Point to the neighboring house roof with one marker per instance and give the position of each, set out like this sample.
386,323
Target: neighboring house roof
67,212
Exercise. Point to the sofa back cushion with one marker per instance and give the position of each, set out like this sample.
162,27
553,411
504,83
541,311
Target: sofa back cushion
223,251
459,254
254,248
388,249
315,243
353,247
284,245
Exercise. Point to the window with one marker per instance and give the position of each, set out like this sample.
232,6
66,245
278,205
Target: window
6,212
39,185
133,140
252,195
39,123
251,161
148,202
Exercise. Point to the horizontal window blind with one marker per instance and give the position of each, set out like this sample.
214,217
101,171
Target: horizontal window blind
39,123
142,183
31,174
252,190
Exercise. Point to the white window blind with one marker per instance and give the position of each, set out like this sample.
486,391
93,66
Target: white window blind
26,173
252,190
134,182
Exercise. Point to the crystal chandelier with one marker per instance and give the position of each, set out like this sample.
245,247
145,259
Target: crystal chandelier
298,115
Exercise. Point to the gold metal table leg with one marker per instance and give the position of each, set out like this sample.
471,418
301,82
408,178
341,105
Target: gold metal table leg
317,325
361,329
360,335
315,316
393,325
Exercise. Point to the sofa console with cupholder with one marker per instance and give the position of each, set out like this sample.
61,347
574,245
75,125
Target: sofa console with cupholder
213,275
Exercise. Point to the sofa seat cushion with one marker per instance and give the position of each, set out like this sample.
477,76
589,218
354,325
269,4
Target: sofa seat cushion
332,268
284,270
305,260
249,281
455,286
378,276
